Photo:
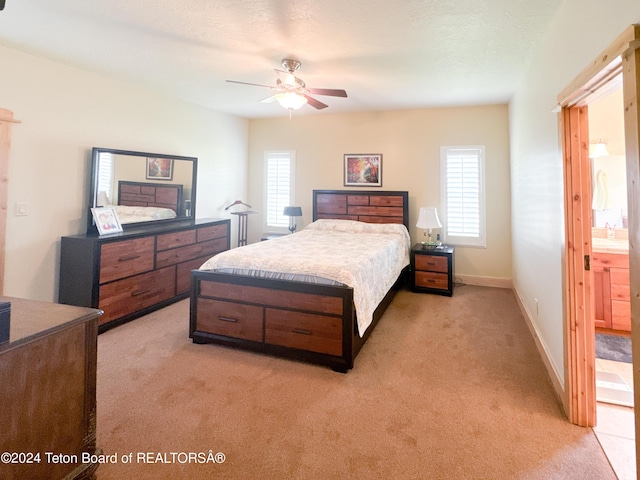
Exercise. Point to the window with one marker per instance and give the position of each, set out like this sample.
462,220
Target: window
463,195
278,189
105,178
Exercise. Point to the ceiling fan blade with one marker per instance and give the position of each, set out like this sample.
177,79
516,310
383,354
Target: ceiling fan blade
328,91
315,103
252,84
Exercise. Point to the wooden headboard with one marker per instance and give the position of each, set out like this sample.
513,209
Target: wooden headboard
142,194
372,206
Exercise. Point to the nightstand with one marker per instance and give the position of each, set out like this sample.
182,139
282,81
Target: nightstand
432,269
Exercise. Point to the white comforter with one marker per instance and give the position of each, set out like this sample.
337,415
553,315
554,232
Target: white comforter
129,214
367,257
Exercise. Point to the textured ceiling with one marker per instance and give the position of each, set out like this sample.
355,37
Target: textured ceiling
386,55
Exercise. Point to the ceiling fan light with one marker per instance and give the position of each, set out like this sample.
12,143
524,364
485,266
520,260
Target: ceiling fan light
290,100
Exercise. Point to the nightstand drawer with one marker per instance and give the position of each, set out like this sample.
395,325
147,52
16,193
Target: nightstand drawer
432,263
432,280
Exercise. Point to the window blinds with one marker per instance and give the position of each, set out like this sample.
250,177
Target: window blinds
463,200
278,180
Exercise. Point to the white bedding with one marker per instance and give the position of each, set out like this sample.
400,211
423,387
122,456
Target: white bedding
367,257
128,214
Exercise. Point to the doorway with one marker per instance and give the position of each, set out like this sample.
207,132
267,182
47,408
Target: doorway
620,60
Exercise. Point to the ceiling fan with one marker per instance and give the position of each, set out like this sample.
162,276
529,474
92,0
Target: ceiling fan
291,91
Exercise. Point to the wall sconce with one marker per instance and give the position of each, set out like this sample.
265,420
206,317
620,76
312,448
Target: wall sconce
428,220
598,149
292,213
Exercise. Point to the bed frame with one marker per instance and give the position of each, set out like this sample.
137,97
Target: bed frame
302,321
143,194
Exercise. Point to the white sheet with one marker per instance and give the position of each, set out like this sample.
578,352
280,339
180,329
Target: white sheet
128,214
367,257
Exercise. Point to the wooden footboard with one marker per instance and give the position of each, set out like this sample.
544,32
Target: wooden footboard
302,321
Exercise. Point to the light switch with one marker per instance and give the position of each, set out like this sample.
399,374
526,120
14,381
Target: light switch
21,209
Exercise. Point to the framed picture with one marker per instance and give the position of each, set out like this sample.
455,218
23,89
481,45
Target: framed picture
106,220
363,170
159,168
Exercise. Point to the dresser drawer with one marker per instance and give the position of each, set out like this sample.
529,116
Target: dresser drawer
214,231
197,250
432,280
176,239
124,297
126,258
230,319
306,331
183,275
432,263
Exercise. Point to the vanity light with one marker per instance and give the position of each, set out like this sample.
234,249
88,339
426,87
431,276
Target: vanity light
428,220
598,149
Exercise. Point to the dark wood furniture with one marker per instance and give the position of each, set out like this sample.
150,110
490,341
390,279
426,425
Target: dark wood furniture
432,269
141,194
303,321
140,270
48,394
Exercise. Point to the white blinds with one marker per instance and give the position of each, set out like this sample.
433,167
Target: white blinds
105,173
278,178
463,200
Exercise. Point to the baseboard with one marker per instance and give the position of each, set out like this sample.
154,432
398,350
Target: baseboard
556,379
484,281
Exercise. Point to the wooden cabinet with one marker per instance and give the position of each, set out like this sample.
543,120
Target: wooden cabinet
432,269
611,287
48,395
130,274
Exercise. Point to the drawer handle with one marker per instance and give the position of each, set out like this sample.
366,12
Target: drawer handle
431,263
228,319
140,292
129,257
301,331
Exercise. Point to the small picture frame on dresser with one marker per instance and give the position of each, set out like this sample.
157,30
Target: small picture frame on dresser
106,220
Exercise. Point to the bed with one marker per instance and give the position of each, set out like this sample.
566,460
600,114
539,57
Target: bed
318,313
144,202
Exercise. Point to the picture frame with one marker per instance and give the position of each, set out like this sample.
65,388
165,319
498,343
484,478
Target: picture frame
363,170
106,220
159,168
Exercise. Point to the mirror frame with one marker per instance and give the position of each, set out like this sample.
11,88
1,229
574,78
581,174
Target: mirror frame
93,193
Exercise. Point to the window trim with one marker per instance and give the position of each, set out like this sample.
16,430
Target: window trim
481,240
292,175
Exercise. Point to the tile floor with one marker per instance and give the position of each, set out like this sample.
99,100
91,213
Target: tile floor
616,430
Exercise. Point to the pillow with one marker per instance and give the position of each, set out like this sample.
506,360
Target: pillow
353,226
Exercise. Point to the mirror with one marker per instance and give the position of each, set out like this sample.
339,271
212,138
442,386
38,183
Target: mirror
144,188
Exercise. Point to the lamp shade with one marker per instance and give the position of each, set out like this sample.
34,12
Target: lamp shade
428,218
597,150
292,211
290,100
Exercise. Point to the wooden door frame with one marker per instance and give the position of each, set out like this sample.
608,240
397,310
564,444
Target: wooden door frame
622,57
6,122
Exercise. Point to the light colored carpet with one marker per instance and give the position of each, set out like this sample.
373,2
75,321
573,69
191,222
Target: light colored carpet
445,388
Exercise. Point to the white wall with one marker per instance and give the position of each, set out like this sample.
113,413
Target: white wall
409,141
581,30
64,113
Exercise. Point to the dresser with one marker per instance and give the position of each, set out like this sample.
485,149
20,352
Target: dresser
140,270
432,269
48,396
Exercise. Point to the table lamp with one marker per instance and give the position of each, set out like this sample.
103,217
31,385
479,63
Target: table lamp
428,220
292,213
